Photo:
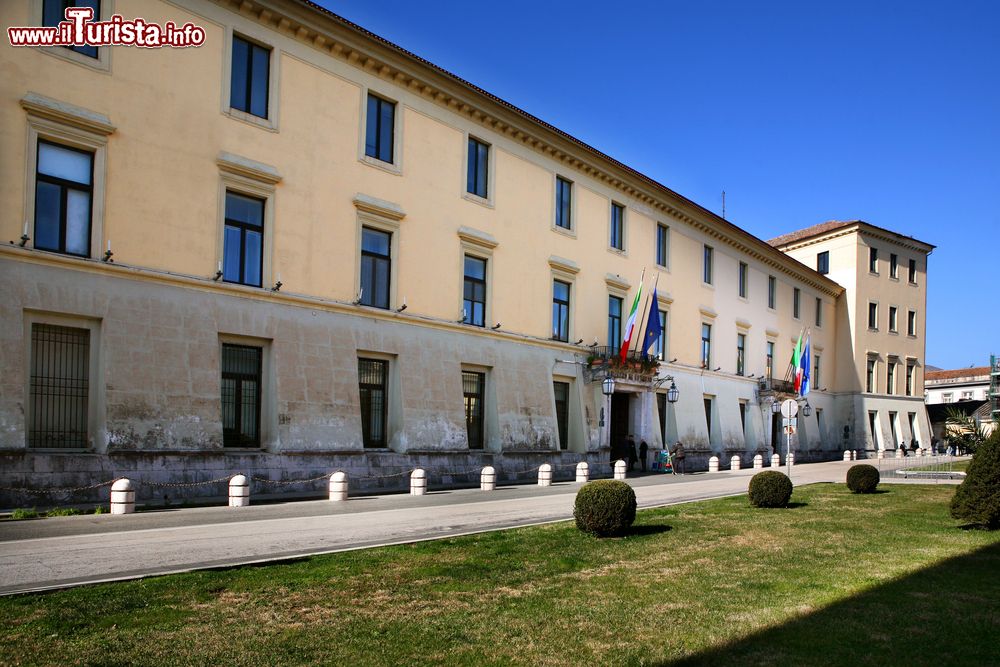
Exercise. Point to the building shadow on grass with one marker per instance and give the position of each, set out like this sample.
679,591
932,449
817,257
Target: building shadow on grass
948,614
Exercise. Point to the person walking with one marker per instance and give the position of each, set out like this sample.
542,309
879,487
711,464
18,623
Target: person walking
630,452
677,453
643,451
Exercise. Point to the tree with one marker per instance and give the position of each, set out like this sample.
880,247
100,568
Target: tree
963,430
977,498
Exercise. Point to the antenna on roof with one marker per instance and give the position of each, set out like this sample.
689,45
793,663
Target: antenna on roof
723,204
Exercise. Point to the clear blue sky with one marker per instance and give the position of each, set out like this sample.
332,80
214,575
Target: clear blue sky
802,111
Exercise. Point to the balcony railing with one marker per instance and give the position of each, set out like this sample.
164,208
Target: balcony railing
637,367
775,385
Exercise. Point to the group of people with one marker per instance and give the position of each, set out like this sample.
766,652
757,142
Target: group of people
626,451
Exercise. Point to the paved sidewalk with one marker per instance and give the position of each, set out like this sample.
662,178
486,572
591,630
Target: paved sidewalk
69,551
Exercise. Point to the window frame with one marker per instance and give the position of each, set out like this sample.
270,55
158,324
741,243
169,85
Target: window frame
487,198
484,281
257,36
819,312
743,280
741,351
893,266
64,185
258,181
871,375
796,303
557,303
707,265
823,262
367,443
873,260
560,212
911,272
890,377
100,63
616,228
562,417
772,292
770,347
253,47
911,376
244,227
396,166
240,377
662,241
911,323
660,349
365,296
480,393
615,334
381,103
705,352
873,315
893,317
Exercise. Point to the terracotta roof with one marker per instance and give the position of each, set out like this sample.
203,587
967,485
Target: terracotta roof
826,227
815,230
977,371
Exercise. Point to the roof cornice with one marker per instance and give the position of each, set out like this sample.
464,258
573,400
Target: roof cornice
339,38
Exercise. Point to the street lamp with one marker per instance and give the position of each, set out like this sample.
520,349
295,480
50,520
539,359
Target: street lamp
775,406
806,410
608,386
673,393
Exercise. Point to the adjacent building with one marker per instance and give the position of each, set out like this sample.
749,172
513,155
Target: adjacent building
300,248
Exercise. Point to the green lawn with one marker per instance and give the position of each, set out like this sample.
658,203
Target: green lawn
883,579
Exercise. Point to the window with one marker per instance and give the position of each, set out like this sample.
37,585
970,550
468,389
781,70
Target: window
892,319
913,271
241,387
373,389
946,397
63,199
473,385
772,292
873,427
893,427
819,312
614,322
910,370
707,265
871,376
708,416
743,279
564,203
872,315
59,390
248,83
741,347
376,267
912,418
911,323
380,128
662,245
706,345
796,299
243,245
660,347
890,378
560,310
769,369
966,396
823,262
617,226
479,168
894,266
54,11
743,416
873,260
561,391
814,380
474,297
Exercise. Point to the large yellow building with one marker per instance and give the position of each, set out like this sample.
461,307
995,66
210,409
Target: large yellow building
299,248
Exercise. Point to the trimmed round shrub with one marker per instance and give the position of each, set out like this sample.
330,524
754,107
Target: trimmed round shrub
605,508
770,489
862,478
977,498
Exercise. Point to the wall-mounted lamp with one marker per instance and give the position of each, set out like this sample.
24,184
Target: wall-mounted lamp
495,327
277,286
465,316
357,302
717,369
753,375
24,236
594,344
578,342
403,307
218,272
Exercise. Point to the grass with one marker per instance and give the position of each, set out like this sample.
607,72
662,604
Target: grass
886,578
954,466
32,513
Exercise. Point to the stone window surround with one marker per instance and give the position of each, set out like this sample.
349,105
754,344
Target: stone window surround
269,441
384,216
396,166
102,63
256,34
254,179
480,245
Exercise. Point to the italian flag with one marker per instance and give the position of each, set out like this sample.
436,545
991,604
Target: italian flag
630,325
797,363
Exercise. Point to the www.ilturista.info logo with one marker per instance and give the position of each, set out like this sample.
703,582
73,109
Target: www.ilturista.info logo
79,30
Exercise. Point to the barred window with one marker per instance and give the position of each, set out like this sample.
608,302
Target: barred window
372,384
60,387
473,385
241,386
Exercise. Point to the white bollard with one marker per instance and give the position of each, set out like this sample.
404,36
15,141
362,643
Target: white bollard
488,479
847,455
758,462
775,461
418,482
620,468
735,462
791,458
854,455
545,475
338,485
122,497
900,452
881,454
239,491
582,472
713,463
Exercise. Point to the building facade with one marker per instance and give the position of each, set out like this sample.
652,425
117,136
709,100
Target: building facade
300,248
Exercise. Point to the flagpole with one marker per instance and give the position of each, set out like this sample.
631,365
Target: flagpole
642,279
645,308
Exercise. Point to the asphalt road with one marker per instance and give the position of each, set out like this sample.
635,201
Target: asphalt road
69,551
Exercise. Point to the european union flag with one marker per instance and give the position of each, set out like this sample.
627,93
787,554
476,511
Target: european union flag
654,328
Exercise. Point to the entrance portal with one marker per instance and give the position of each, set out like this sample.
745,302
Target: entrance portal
619,425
